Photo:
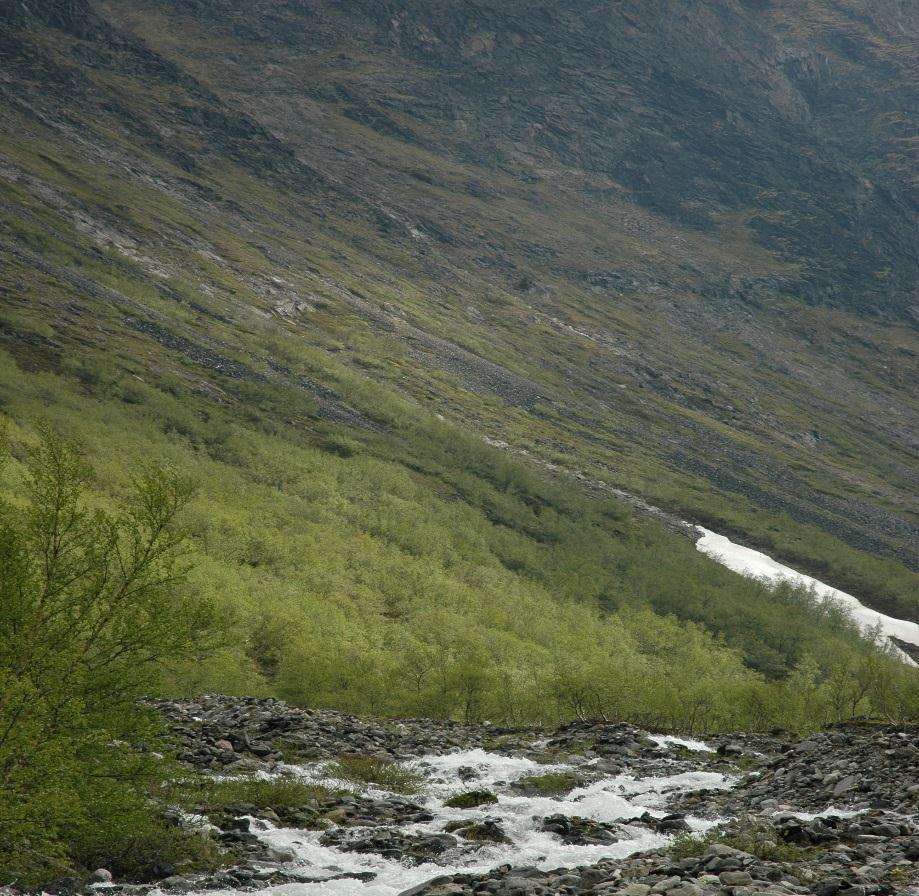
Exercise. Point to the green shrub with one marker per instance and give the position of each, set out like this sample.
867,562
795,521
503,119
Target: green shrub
470,799
92,602
388,775
757,839
761,841
135,839
687,846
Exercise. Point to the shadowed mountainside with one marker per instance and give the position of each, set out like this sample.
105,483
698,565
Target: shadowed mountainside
670,245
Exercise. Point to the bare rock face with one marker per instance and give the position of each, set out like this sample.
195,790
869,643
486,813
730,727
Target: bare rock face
75,17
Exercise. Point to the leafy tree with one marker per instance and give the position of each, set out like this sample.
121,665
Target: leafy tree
91,606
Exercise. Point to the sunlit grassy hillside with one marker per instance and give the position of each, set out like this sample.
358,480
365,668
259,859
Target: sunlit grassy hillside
421,572
183,282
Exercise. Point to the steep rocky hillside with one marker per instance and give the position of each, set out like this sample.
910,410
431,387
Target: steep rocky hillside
781,122
668,245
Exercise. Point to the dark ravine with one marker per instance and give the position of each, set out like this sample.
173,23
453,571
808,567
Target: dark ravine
862,778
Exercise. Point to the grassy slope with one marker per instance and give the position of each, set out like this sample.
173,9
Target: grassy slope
147,310
792,412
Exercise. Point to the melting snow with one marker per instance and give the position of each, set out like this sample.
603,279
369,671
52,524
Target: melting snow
754,564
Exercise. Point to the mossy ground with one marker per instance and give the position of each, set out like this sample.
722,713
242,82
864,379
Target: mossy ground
549,784
471,799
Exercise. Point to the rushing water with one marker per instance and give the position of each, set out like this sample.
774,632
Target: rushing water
754,564
609,799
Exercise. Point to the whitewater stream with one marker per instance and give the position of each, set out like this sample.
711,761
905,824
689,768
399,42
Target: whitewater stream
327,869
608,799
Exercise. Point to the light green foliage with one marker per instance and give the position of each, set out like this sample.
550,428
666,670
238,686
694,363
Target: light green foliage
92,604
444,579
380,772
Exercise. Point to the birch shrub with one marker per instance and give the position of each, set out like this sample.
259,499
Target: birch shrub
92,605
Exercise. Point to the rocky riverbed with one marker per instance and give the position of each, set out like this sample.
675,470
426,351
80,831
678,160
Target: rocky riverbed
591,808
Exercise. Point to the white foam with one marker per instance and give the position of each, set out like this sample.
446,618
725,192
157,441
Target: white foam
612,799
829,812
663,740
755,564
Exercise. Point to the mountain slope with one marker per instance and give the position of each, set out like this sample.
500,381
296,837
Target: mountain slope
669,247
787,119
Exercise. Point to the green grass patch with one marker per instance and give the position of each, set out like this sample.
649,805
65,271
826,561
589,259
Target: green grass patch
470,799
387,775
549,784
281,794
758,840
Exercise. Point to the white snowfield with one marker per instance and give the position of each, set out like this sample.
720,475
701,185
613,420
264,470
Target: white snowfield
754,564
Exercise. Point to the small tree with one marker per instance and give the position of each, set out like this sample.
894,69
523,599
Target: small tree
92,604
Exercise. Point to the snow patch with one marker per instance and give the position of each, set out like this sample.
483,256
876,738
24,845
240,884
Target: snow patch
755,564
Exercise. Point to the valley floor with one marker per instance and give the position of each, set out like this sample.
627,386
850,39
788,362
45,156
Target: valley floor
587,808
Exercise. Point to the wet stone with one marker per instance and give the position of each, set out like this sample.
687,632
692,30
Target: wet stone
580,831
777,785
